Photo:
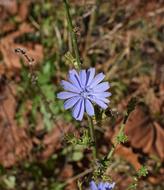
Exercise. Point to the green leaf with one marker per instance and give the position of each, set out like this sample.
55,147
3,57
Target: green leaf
142,172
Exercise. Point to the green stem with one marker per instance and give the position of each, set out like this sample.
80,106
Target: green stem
73,35
110,154
93,137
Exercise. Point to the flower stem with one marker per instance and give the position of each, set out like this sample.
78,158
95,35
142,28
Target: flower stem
110,154
73,35
93,137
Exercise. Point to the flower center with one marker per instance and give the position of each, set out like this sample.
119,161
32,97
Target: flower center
84,94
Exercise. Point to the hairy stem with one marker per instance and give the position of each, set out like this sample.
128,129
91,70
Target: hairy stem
73,35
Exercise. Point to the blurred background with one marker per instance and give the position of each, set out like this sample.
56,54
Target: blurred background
122,38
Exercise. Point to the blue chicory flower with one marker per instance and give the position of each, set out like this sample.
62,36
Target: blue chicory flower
82,90
101,186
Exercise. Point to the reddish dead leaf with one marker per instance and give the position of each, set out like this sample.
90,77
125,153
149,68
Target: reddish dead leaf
15,144
8,46
9,7
7,27
145,134
12,7
159,144
128,155
23,9
7,101
153,101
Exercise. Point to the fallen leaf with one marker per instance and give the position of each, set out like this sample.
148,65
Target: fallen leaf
129,155
8,102
159,143
145,134
8,46
153,101
10,6
23,9
15,144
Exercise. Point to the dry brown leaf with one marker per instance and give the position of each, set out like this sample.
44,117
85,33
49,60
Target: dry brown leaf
7,27
7,8
15,144
145,134
23,9
129,155
10,6
8,102
8,46
159,144
153,101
